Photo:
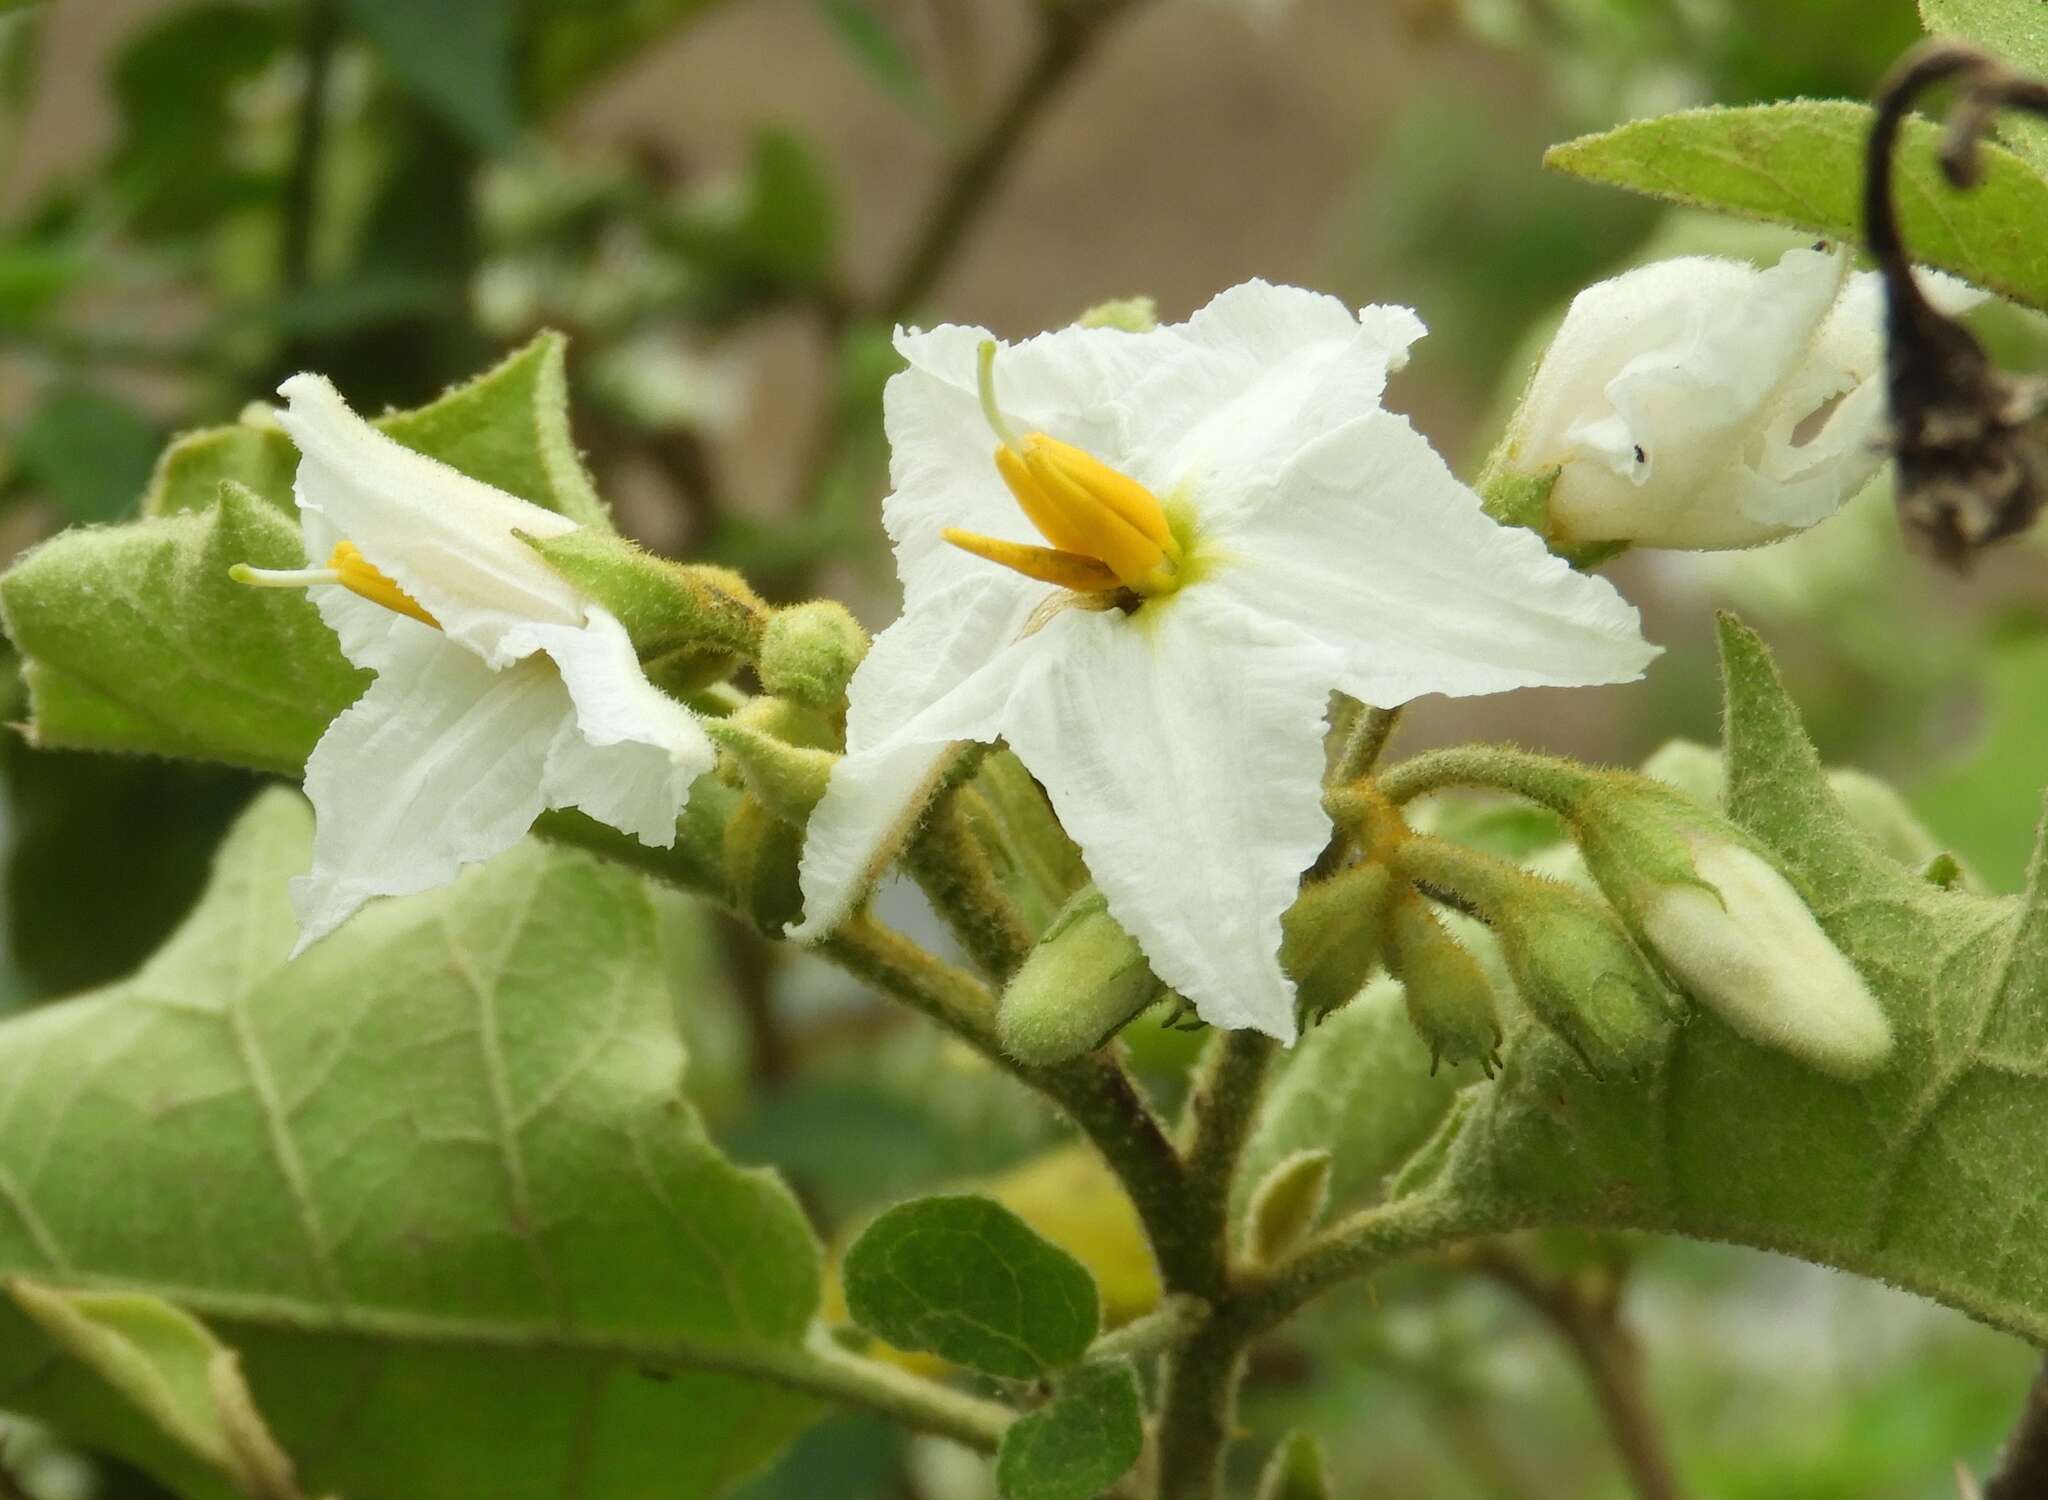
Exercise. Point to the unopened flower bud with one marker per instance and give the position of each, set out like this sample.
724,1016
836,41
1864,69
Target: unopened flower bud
1082,982
761,852
1331,936
1570,958
1286,1204
1703,403
809,651
1728,926
691,624
1449,998
788,780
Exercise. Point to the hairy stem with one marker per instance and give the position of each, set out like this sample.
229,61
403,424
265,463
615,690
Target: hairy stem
1220,1111
954,871
1359,1245
921,1405
1589,1324
1198,1409
1542,779
1366,742
2023,1467
1069,34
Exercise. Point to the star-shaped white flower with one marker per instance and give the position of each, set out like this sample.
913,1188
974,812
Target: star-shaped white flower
501,689
1704,403
1238,528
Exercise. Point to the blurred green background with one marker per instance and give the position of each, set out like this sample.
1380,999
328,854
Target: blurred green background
722,201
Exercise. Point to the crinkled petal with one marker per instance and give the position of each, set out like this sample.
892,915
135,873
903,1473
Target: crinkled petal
446,539
1656,380
1371,545
939,675
635,750
439,764
1183,750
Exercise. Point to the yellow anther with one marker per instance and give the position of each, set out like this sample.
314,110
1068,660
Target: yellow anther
346,566
1068,570
1088,511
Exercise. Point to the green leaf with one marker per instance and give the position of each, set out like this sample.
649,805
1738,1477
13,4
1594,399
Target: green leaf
1930,1174
455,55
509,427
2018,31
1079,1443
1295,1471
1802,164
1359,1085
92,452
136,639
969,1281
574,43
189,472
871,39
172,1370
435,1180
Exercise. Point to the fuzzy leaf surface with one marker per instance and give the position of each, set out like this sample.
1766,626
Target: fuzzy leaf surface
2016,30
1079,1443
966,1279
1802,164
1931,1174
449,1205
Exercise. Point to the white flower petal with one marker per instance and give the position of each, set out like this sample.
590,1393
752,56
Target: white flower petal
1657,386
635,750
1371,545
926,684
444,538
438,765
1183,749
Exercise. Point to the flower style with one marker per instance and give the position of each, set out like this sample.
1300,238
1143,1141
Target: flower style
1236,528
501,690
1704,403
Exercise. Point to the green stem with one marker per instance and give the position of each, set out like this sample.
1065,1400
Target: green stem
1177,1318
1198,1409
912,1402
1543,779
954,871
1367,741
309,138
1359,1245
1221,1108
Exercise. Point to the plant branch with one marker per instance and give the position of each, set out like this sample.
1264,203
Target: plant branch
953,870
1359,1245
918,1404
309,138
1366,742
1542,779
1069,33
1220,1110
1588,1321
2023,1467
1177,1318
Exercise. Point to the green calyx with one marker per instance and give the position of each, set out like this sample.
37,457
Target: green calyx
786,779
1080,985
1572,962
1450,1000
1331,937
808,652
1286,1205
691,624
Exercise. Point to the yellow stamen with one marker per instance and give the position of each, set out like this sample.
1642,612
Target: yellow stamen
1085,508
347,567
1068,570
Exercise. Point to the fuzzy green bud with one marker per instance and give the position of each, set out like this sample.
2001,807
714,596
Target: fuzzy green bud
1331,936
1449,998
1286,1205
1078,987
809,652
1721,917
691,625
1571,960
786,719
1296,1471
788,780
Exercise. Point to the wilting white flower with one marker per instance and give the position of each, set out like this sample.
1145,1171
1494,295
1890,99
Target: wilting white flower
1704,403
1237,528
1745,944
501,689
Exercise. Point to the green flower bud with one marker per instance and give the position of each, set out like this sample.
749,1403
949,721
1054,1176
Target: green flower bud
761,852
809,651
1130,314
691,624
1450,1000
1714,908
788,780
1296,1471
1082,982
1286,1205
1331,936
1570,958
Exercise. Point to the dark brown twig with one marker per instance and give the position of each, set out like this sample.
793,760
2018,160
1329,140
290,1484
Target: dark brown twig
2023,1467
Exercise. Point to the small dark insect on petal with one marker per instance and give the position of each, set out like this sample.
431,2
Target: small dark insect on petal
1641,457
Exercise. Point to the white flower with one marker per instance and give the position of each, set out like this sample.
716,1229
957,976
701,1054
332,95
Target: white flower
500,691
1704,403
1747,945
1165,669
